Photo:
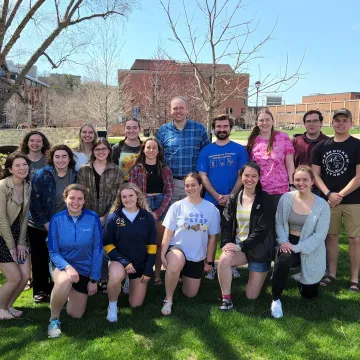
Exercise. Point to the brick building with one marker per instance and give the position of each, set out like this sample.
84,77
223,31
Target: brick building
151,84
292,114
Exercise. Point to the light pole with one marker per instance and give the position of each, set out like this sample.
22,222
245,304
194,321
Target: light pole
257,85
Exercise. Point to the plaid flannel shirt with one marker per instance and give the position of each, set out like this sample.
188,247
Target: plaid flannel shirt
182,147
138,177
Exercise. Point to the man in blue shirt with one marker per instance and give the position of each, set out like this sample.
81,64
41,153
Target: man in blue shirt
182,140
219,166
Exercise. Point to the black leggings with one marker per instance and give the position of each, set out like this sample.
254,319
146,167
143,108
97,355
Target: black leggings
284,263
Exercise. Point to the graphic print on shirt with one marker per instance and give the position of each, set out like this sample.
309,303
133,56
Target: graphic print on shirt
126,162
336,162
221,160
195,222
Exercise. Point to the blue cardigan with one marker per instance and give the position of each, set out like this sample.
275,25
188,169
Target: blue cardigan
78,244
43,195
311,245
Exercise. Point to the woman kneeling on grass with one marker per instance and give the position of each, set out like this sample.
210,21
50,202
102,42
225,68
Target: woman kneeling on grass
248,236
14,250
75,247
191,226
302,223
130,242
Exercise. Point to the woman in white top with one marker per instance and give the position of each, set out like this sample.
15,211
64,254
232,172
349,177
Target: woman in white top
191,226
87,138
302,223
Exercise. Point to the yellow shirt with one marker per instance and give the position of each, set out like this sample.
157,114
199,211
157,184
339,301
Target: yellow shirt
242,222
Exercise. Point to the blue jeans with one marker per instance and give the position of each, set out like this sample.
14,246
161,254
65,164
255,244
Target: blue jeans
154,203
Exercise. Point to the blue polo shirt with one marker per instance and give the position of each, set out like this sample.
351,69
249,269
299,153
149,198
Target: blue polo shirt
182,147
221,164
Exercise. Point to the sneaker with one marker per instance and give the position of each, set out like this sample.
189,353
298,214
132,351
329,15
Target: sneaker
235,273
211,274
166,309
54,329
40,297
226,304
112,314
126,287
276,309
296,277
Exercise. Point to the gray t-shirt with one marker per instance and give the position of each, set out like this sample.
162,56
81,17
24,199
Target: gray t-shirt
37,165
61,184
192,224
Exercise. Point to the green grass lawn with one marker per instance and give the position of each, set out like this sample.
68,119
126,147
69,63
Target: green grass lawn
326,328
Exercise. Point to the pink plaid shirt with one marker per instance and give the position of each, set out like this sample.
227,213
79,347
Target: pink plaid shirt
138,177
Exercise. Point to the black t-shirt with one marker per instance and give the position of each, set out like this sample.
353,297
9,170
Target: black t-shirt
154,182
338,162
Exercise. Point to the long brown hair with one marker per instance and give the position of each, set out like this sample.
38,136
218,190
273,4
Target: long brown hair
160,162
9,163
256,131
24,147
97,142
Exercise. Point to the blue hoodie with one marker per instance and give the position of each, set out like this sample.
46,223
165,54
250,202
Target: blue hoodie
78,244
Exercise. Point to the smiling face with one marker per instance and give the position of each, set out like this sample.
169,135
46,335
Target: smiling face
342,124
75,201
250,178
129,199
19,168
87,134
101,152
303,181
192,187
132,129
222,129
265,122
178,110
313,124
35,143
151,149
61,160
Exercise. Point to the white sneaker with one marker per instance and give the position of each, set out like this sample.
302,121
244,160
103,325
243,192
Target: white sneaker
276,309
166,309
296,277
235,273
126,287
112,314
211,274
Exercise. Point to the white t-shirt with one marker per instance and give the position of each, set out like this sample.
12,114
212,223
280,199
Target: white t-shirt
130,215
80,159
192,224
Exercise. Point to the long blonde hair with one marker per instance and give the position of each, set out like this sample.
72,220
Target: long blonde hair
80,147
141,198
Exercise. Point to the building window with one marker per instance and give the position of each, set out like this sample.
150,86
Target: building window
229,111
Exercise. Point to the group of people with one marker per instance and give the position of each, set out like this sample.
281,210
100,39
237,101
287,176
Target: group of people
109,215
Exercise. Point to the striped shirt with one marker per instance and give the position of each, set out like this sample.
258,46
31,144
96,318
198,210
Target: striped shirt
242,222
182,147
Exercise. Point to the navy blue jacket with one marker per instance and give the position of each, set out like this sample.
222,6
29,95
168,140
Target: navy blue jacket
78,244
43,195
131,242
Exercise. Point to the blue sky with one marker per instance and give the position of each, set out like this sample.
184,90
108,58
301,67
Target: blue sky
329,30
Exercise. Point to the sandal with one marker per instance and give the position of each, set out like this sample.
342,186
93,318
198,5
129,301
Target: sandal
166,309
15,312
28,285
5,314
354,287
327,280
158,281
103,287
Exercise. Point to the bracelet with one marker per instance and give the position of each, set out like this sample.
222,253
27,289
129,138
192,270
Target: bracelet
238,246
329,193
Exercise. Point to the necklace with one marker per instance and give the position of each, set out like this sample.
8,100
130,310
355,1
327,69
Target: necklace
18,193
150,168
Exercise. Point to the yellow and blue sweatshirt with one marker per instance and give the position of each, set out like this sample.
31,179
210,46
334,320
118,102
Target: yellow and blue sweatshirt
131,242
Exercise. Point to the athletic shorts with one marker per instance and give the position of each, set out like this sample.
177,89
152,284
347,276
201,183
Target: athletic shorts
139,273
80,286
191,269
350,213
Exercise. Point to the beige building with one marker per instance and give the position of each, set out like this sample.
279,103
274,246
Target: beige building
292,114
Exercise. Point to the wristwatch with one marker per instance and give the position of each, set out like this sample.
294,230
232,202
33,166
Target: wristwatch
93,281
328,194
210,263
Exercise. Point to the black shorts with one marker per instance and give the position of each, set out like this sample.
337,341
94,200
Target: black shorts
80,286
139,273
191,269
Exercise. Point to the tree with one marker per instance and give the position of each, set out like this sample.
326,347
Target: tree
226,40
18,16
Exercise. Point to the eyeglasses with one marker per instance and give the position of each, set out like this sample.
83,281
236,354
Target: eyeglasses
308,122
101,150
